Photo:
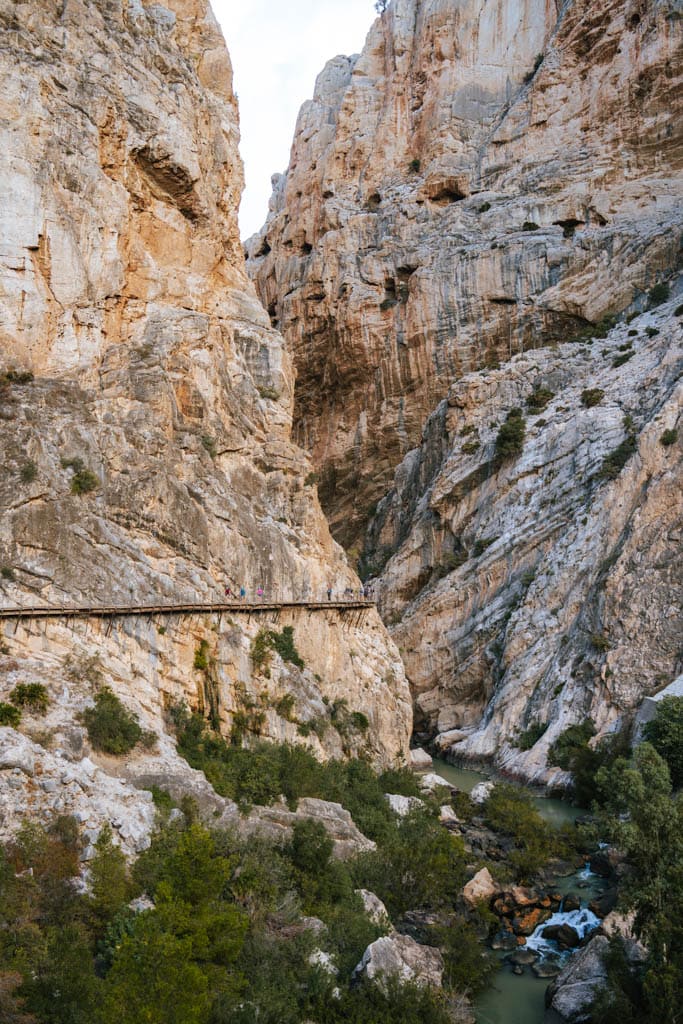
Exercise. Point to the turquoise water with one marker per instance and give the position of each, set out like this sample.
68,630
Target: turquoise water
512,998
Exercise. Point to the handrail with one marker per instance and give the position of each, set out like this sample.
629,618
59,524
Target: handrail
114,611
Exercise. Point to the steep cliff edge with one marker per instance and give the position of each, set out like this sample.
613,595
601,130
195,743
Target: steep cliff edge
485,178
533,587
145,401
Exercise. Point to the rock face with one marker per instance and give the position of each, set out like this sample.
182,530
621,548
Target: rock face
149,458
575,988
544,588
482,179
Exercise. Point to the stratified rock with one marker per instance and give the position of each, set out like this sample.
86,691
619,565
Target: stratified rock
451,197
480,889
516,586
401,957
276,822
157,427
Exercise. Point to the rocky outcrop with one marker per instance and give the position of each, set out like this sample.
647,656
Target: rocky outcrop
575,988
277,822
483,179
400,957
535,590
145,398
480,889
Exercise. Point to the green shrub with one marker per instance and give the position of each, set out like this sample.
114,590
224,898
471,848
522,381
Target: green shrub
620,360
267,640
209,444
591,397
529,225
678,311
7,573
659,294
28,472
111,727
481,545
201,656
284,645
269,393
616,460
665,733
530,737
84,480
568,742
538,399
600,642
470,447
669,437
484,208
9,715
284,706
509,810
414,165
17,377
651,332
510,439
30,695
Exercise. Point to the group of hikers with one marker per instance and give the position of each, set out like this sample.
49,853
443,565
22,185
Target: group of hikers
363,593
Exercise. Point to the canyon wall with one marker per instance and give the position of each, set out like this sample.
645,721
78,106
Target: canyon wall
484,178
532,592
145,399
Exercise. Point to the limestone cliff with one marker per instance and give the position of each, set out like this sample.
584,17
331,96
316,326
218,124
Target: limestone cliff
483,179
532,592
145,400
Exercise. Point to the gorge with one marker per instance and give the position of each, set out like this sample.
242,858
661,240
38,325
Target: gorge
401,470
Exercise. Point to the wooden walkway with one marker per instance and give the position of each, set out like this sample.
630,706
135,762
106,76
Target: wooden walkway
231,607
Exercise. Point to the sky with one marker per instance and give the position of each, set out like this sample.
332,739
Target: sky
277,51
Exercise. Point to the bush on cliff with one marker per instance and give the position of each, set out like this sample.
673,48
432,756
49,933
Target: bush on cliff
111,727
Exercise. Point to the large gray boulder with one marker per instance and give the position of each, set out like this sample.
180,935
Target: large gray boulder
575,987
16,751
276,822
399,956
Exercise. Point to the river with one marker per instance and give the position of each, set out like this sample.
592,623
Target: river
520,999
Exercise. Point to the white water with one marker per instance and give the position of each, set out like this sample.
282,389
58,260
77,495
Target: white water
582,921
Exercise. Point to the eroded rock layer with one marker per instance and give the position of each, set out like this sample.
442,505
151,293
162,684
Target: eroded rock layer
145,399
537,590
483,179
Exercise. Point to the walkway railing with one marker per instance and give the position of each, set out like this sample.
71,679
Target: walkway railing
233,607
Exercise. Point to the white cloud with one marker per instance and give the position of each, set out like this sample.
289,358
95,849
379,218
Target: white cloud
277,50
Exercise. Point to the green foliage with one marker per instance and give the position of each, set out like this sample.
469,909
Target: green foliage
201,656
530,225
270,393
284,707
470,447
537,63
659,294
510,439
30,695
481,545
665,733
678,311
7,573
9,715
591,397
616,460
669,437
530,737
84,482
539,399
310,479
111,727
267,640
623,358
572,752
16,377
414,165
509,810
209,444
600,642
568,742
109,883
28,472
484,208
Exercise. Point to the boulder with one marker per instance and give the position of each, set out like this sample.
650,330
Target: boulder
572,901
276,822
420,760
401,957
604,904
16,751
480,888
447,815
432,781
403,805
374,908
482,792
575,987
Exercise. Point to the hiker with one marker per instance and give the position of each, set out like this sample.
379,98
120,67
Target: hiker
243,593
228,592
329,592
259,592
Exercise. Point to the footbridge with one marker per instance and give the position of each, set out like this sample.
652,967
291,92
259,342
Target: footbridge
272,608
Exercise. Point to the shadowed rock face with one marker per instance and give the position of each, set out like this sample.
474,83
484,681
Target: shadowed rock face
483,179
150,458
544,588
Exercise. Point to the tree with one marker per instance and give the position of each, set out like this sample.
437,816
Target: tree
665,733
